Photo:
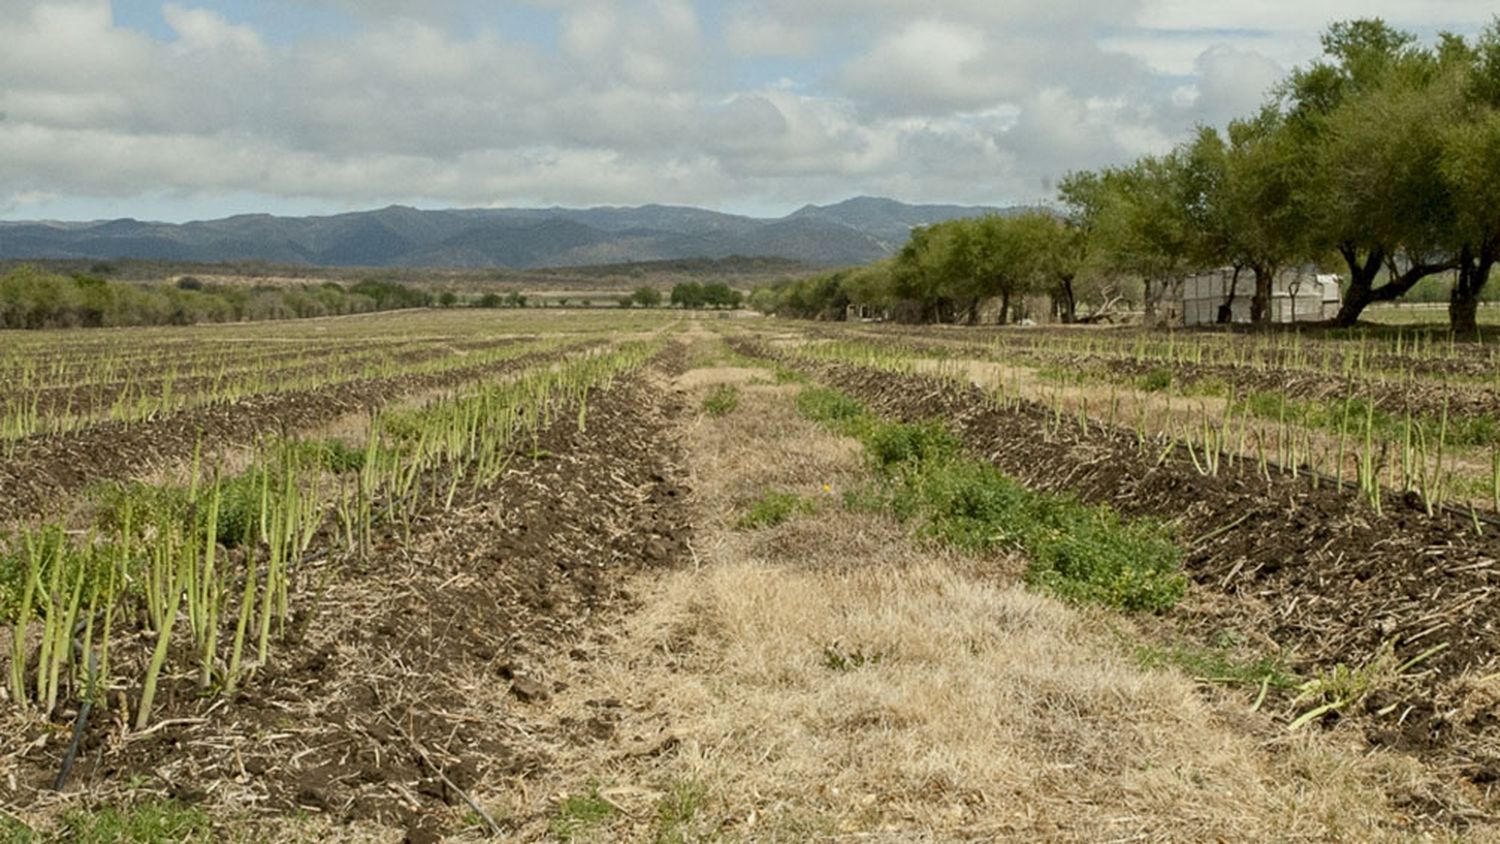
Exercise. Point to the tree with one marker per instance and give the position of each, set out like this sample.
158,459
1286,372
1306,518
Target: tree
1470,160
687,294
720,295
1049,255
1245,204
1136,221
1367,122
647,296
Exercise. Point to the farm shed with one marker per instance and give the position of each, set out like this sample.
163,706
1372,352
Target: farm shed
1295,297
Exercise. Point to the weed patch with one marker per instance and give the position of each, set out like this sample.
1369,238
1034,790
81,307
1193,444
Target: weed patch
842,659
1218,665
1155,380
145,823
579,812
773,508
831,408
721,401
1078,552
677,810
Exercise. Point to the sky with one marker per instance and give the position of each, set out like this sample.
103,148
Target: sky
195,109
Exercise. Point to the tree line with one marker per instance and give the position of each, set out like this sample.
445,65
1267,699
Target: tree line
1380,159
689,294
32,298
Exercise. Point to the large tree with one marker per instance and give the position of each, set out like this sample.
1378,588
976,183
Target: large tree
1366,122
1470,165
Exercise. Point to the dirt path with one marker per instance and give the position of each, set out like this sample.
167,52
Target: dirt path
826,678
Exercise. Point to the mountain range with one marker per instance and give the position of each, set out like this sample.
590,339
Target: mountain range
850,232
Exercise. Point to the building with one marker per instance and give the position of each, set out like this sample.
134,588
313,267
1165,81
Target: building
1296,296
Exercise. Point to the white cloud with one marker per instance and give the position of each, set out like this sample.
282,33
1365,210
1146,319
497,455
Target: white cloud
926,66
751,32
764,101
201,29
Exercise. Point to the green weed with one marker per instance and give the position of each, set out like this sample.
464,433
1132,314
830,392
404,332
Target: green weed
829,407
1219,665
334,456
677,810
580,812
773,508
163,821
1078,552
838,658
1155,380
721,401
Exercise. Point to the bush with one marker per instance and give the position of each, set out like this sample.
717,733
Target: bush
829,407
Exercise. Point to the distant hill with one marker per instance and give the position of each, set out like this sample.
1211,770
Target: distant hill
851,232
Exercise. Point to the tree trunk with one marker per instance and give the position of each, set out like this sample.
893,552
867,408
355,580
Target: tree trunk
1065,302
1361,284
1463,302
1225,316
1260,303
1005,307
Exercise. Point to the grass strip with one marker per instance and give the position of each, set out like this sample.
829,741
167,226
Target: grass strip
1078,552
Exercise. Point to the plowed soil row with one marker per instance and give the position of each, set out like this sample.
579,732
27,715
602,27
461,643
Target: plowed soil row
43,475
98,398
410,684
129,363
1313,569
1421,398
1467,360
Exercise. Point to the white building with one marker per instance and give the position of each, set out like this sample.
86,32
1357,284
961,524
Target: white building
1295,297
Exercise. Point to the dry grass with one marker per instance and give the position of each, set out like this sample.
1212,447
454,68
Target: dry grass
827,679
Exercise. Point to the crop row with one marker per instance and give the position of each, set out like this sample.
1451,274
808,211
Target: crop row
50,411
202,578
1435,452
1394,355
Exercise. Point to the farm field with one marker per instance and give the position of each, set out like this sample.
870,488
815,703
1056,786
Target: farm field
647,576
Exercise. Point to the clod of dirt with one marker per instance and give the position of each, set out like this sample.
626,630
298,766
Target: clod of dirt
528,690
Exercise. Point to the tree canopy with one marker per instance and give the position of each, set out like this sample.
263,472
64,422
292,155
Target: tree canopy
1379,157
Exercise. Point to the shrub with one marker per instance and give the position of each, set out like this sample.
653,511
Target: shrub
894,445
829,407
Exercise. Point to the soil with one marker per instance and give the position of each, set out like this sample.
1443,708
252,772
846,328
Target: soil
408,687
1313,569
330,363
1426,396
45,472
